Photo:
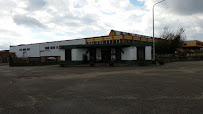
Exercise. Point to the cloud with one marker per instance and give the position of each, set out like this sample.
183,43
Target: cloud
33,21
185,7
36,4
9,33
28,21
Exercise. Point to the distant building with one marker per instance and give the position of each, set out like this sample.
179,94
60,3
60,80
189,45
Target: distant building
4,56
193,45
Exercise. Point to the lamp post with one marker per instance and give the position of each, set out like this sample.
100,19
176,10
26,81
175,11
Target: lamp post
153,30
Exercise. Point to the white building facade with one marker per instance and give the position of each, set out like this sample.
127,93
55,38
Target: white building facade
47,49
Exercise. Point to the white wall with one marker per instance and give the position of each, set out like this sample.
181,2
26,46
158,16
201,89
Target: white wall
33,52
148,53
77,54
58,52
130,53
38,50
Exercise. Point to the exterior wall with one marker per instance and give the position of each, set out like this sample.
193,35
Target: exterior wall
33,52
52,52
190,43
148,53
130,53
58,52
77,54
38,50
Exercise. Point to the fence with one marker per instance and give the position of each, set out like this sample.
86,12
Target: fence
29,62
179,57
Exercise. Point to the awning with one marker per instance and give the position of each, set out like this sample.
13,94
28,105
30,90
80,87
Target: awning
136,44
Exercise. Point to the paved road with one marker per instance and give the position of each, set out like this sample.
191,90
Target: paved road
172,88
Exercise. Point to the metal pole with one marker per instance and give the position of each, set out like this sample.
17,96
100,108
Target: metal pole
153,38
153,30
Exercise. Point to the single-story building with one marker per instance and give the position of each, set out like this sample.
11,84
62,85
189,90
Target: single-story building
117,46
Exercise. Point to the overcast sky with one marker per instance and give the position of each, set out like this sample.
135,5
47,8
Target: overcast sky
34,21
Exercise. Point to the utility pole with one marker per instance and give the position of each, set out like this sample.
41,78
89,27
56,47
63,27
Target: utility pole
153,30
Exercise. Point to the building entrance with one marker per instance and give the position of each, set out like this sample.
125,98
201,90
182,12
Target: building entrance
68,54
106,55
141,53
93,54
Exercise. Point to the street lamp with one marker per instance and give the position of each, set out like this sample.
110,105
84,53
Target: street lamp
153,30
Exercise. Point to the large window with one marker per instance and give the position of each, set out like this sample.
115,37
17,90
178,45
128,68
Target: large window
100,42
105,42
117,41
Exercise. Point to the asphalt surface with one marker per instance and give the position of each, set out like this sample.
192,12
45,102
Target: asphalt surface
175,88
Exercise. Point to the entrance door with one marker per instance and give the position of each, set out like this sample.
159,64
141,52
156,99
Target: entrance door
141,53
93,54
106,54
24,54
68,54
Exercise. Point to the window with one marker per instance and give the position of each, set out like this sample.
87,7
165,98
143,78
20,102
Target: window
135,41
24,49
46,47
52,47
117,41
20,49
110,41
98,42
89,43
28,49
127,41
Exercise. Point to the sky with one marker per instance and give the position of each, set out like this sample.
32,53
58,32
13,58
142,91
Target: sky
35,21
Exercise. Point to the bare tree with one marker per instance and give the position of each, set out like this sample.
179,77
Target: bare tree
171,40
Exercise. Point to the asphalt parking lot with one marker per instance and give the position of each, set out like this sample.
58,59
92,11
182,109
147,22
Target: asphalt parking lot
172,88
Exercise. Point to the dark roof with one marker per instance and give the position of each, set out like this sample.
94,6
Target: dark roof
131,34
4,51
47,42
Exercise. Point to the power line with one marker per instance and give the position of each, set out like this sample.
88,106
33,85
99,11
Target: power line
12,9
